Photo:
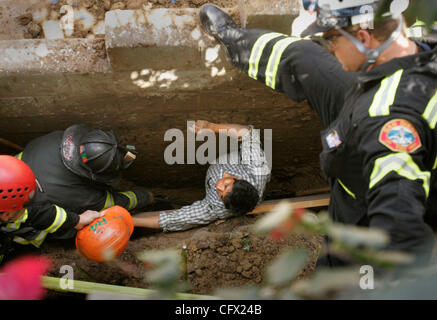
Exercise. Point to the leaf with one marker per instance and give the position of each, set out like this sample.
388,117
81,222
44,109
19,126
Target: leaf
387,259
286,267
274,218
165,270
353,236
327,282
248,293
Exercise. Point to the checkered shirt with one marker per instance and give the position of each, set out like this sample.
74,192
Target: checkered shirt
249,164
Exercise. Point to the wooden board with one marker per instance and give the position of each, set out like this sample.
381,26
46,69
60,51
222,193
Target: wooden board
320,200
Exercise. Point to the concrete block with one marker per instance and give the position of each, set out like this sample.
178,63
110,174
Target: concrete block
53,56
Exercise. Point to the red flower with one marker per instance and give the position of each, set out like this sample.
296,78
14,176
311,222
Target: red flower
282,230
21,279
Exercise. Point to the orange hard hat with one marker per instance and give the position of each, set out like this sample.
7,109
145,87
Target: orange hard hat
106,237
121,213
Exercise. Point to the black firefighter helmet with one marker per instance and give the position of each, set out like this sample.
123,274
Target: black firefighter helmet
95,154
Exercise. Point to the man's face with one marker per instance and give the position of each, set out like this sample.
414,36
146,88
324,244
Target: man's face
344,50
225,185
11,216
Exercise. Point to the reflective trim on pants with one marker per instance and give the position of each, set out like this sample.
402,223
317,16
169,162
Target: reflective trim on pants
257,51
275,59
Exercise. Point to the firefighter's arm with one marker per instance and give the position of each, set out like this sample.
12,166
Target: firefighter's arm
57,221
395,164
130,200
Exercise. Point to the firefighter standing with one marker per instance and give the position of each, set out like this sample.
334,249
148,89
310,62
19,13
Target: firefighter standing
26,217
380,111
76,168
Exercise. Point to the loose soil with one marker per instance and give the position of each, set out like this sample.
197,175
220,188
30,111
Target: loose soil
223,254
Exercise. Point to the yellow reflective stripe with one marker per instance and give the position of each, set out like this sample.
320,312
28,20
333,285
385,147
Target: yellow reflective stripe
21,240
109,201
36,242
275,59
347,190
257,51
430,114
39,239
19,156
435,164
133,200
16,224
403,165
386,94
60,218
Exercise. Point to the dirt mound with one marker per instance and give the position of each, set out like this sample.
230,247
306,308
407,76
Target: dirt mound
223,254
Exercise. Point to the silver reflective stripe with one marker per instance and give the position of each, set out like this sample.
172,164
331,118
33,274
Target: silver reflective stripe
430,114
109,201
386,94
403,165
275,59
61,216
133,200
16,224
257,51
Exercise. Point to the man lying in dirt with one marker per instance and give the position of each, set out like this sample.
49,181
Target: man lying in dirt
232,187
26,217
76,169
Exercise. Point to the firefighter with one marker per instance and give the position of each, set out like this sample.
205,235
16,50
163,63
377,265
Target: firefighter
378,105
26,217
77,169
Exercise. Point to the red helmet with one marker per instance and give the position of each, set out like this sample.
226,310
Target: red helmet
17,183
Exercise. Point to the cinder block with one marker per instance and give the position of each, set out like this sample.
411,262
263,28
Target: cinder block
53,56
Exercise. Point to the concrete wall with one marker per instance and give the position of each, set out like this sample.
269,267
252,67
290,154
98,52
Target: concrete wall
154,70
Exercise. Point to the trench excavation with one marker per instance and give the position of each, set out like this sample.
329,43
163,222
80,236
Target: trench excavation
140,68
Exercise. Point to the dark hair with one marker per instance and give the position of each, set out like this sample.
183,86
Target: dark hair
242,199
383,30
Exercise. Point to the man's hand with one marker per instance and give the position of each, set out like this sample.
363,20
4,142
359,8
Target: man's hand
200,125
87,217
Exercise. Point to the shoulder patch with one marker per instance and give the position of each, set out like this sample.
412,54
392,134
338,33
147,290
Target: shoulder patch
400,135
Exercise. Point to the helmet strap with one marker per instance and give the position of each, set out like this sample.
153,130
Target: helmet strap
372,55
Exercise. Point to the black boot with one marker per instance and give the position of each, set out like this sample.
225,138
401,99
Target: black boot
218,24
223,28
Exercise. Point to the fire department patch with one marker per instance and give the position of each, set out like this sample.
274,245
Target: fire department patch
400,135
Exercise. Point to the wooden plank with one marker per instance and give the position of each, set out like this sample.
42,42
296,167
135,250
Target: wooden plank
320,200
